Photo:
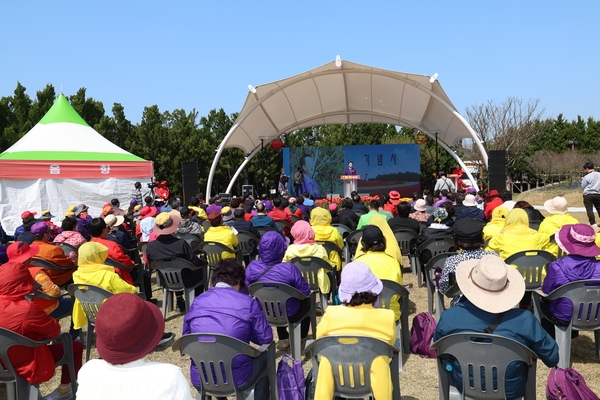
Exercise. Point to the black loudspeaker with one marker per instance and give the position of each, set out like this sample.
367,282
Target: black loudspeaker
497,169
189,172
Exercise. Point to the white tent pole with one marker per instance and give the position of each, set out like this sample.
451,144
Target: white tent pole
241,167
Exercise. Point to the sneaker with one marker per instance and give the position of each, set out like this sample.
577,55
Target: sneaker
55,395
283,345
181,304
166,337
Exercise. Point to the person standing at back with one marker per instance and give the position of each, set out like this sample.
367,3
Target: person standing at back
591,192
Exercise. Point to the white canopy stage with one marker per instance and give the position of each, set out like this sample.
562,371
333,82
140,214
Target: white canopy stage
343,92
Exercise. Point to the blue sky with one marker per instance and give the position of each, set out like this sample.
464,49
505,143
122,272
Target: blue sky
203,55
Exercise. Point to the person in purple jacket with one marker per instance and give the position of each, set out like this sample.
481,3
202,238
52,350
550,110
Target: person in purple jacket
227,310
271,250
580,263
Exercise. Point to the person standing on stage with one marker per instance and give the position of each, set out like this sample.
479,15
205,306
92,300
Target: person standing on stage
591,192
350,170
298,178
309,185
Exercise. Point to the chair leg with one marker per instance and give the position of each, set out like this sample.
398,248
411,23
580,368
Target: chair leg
405,333
88,341
563,340
295,339
313,313
439,304
396,365
597,340
430,294
165,300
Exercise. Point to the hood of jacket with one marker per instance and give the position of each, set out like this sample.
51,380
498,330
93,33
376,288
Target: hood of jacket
579,267
92,256
15,281
271,248
320,216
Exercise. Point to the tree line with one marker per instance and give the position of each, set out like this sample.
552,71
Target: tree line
169,138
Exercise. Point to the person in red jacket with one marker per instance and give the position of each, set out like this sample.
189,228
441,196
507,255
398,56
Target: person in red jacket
26,318
492,201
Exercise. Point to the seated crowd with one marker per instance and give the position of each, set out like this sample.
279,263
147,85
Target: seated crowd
486,229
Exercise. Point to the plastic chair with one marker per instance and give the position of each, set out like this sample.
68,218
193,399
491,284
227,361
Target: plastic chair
264,229
435,299
169,270
273,297
329,247
244,243
139,281
342,229
208,350
213,251
436,246
531,264
406,239
40,262
66,248
585,296
18,388
193,240
91,298
348,356
205,224
352,244
41,295
391,288
487,357
359,212
309,268
282,225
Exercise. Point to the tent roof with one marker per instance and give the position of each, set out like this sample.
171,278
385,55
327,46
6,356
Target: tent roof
349,94
62,135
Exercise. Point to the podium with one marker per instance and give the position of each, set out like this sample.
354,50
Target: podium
350,183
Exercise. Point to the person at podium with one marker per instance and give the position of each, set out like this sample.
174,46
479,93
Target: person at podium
350,170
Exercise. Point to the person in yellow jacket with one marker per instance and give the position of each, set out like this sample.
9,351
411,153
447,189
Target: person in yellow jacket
358,291
381,264
517,236
221,234
93,271
557,207
496,224
305,246
391,245
320,220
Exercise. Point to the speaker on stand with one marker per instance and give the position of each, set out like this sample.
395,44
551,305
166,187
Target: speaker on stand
189,172
497,170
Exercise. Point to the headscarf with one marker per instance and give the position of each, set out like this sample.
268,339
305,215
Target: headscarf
320,216
391,245
517,222
146,227
499,216
303,233
92,256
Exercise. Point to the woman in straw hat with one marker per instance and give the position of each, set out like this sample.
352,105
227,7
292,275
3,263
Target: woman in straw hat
127,330
580,263
492,291
358,291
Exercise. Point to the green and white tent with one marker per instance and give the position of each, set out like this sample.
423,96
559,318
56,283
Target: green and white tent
63,161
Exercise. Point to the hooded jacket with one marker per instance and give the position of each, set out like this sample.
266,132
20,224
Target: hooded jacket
551,224
271,250
28,319
93,271
470,212
320,220
494,227
568,269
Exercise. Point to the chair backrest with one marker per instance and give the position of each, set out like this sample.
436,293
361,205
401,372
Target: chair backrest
391,288
264,229
329,247
406,239
483,359
282,224
90,297
9,375
585,296
244,238
213,355
359,212
40,262
273,297
350,358
295,218
66,248
170,270
214,252
193,240
438,245
531,264
206,225
435,262
342,229
309,268
352,241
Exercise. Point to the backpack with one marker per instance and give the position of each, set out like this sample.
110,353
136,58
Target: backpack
421,334
290,379
567,384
